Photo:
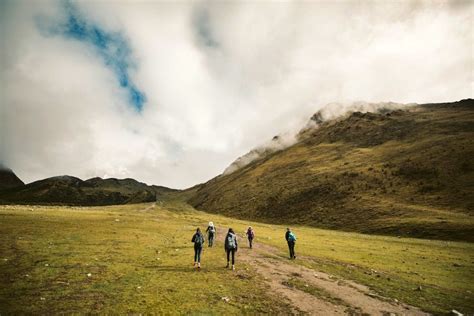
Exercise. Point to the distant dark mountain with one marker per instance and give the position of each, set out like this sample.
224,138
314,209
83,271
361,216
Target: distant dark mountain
8,179
403,171
74,191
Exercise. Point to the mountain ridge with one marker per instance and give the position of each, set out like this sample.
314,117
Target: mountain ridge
394,171
400,172
8,179
70,190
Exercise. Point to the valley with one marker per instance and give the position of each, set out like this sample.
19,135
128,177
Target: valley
138,259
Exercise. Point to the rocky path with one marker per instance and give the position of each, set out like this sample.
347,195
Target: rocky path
317,293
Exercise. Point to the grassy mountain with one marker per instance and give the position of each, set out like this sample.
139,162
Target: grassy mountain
74,191
401,172
8,179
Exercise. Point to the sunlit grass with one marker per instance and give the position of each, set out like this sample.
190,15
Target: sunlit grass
117,260
394,267
141,261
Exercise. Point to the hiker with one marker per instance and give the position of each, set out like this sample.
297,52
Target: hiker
211,233
198,240
250,236
230,246
291,239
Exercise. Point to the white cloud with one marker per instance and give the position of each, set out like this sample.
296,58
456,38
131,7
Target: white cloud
220,79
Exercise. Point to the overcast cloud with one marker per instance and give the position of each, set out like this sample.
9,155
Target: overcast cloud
171,93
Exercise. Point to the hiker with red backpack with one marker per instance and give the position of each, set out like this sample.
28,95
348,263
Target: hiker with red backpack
291,240
250,236
230,246
198,240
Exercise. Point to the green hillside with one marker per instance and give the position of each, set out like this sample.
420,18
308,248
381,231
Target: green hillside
406,172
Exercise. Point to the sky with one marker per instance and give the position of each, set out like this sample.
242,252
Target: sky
170,93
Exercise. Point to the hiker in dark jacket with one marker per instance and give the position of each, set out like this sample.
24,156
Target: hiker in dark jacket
198,240
230,246
211,234
291,240
250,236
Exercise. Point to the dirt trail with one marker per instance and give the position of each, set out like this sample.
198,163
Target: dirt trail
148,208
317,293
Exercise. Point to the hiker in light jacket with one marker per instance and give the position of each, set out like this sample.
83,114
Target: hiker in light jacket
230,246
211,234
198,240
250,236
291,240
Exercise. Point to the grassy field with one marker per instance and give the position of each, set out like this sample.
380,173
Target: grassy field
138,259
139,262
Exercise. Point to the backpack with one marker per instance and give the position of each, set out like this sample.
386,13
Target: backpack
230,242
250,233
198,240
291,237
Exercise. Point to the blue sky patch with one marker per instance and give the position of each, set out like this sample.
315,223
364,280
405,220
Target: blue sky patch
111,46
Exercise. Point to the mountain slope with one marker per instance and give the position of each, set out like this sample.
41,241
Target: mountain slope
404,172
8,179
74,191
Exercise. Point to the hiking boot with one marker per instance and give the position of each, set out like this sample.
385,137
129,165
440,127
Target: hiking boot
227,266
233,268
